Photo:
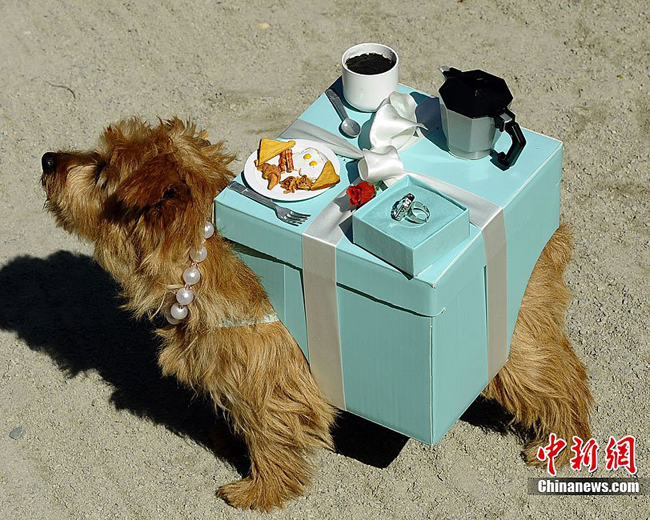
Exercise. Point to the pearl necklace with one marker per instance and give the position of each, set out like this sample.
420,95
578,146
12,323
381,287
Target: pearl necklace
191,276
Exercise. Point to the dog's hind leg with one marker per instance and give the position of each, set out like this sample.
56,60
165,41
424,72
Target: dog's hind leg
544,384
277,408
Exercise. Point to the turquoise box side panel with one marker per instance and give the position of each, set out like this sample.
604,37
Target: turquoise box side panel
386,350
460,337
386,364
531,219
283,284
413,374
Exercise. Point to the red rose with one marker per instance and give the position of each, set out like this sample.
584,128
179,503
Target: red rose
361,193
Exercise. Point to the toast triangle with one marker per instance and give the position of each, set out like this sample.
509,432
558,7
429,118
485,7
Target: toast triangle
327,177
269,148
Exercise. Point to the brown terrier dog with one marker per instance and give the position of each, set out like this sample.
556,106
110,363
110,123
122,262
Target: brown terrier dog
143,198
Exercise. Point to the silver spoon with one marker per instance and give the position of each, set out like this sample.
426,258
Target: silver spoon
348,126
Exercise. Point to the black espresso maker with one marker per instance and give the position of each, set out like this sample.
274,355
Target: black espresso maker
474,112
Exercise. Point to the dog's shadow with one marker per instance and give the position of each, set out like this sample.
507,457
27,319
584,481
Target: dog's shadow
67,307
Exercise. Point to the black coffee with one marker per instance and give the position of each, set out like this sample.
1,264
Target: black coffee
371,63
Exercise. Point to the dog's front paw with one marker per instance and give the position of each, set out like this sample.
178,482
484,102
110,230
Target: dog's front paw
248,493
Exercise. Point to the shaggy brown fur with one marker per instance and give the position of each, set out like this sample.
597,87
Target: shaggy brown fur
143,196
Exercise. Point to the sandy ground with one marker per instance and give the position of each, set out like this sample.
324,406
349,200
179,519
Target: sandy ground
102,435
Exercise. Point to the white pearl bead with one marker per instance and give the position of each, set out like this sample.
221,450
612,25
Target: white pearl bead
171,319
200,255
178,311
208,230
184,296
191,275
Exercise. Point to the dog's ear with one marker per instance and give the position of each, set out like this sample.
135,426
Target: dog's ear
165,214
155,187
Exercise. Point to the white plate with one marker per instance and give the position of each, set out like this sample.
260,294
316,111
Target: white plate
254,177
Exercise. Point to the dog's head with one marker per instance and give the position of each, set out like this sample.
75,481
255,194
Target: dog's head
143,194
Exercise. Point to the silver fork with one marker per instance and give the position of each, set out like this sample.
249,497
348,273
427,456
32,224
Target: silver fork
285,215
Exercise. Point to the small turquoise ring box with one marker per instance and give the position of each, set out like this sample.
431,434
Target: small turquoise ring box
409,246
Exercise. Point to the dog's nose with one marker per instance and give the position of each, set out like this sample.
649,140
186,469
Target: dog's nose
48,162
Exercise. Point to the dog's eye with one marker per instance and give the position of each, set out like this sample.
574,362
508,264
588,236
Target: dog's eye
98,172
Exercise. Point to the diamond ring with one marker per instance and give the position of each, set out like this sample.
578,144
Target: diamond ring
407,207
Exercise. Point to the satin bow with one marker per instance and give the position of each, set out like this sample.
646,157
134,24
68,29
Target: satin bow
394,128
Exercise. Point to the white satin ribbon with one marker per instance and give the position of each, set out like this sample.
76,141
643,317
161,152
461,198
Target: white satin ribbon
395,123
319,242
395,127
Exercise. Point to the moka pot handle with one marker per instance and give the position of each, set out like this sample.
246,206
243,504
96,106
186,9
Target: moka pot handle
506,123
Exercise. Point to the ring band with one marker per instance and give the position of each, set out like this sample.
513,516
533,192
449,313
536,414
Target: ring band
413,210
418,213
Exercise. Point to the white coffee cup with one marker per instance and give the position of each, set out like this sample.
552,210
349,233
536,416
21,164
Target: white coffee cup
365,92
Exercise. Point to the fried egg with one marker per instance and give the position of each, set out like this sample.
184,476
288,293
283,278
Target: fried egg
309,162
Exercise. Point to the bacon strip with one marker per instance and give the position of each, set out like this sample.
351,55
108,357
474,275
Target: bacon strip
289,159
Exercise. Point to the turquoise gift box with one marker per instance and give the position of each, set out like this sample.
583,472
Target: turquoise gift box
410,246
413,347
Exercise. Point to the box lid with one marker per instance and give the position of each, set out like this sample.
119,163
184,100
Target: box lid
410,246
246,222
